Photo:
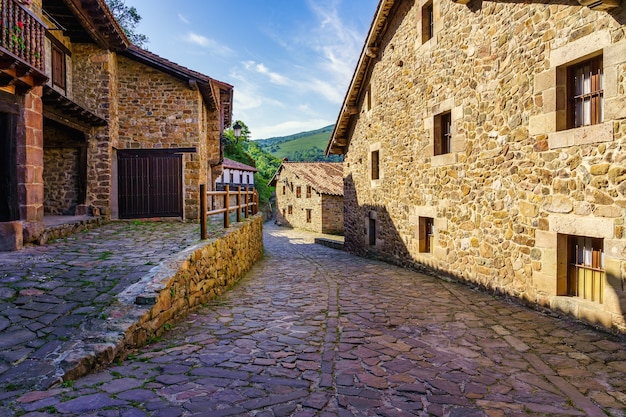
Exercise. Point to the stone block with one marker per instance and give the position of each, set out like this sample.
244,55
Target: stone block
11,236
613,297
545,80
582,226
580,48
528,209
456,113
441,253
32,231
615,108
566,305
544,283
549,264
558,204
614,54
615,249
545,239
542,123
442,160
594,313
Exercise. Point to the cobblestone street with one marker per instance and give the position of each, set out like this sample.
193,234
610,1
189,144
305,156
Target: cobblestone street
312,331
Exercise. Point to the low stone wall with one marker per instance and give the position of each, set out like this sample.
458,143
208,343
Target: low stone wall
194,277
67,229
172,289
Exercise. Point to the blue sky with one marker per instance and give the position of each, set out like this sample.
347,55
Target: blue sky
290,61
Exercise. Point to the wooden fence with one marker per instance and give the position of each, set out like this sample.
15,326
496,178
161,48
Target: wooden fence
247,204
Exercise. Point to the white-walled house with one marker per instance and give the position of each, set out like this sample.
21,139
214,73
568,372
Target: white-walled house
236,174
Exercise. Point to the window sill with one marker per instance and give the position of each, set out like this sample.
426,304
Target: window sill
585,135
445,159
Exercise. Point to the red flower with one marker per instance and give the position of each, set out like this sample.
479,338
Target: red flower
20,25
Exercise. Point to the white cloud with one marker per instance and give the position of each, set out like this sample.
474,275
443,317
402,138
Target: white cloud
247,95
183,19
338,44
329,91
274,77
203,41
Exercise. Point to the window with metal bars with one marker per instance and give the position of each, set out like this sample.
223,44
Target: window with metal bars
426,234
428,22
586,93
375,165
585,273
443,134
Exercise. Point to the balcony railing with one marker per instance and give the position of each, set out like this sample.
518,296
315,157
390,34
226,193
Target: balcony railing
21,46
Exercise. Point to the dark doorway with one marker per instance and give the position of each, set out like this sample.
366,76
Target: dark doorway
8,169
372,232
150,184
65,168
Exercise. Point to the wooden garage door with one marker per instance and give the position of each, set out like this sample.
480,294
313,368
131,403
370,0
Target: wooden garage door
150,184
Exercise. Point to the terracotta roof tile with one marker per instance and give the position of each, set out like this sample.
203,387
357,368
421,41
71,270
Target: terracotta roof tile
230,164
324,177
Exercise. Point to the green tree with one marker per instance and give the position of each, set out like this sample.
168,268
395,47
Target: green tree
248,152
128,18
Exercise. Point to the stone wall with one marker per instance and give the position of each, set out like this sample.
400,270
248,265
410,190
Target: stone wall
321,220
162,112
196,276
60,180
332,214
515,182
93,72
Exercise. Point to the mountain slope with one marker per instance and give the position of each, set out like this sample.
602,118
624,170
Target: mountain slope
300,147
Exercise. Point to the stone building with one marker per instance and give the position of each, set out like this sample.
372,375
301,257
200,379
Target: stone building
309,196
95,125
486,140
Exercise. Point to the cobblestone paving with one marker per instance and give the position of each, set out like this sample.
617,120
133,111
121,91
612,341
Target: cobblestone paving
312,331
52,296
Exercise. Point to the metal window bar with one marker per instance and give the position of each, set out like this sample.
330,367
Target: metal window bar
588,93
588,272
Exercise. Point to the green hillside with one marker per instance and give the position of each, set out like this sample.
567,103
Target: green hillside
300,147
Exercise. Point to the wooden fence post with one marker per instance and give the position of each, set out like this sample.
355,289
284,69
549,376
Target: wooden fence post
227,207
203,216
238,204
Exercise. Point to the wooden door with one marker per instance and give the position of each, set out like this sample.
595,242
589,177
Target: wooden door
150,184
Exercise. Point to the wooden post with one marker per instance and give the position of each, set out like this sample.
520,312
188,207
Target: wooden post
255,198
238,204
246,193
227,207
203,217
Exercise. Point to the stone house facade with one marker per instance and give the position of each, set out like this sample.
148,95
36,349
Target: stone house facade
485,140
99,126
309,196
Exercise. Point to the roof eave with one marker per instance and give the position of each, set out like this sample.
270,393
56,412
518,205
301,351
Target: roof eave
339,140
98,20
208,87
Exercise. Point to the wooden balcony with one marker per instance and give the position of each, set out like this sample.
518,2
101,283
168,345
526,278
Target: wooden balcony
22,34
